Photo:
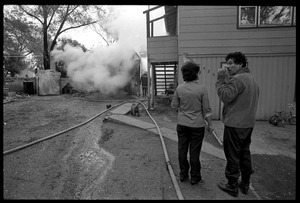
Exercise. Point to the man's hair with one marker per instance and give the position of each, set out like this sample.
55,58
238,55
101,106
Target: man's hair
190,71
238,58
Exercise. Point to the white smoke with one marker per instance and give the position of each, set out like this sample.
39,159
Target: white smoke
107,68
130,26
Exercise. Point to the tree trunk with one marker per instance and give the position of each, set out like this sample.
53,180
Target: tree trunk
45,29
46,53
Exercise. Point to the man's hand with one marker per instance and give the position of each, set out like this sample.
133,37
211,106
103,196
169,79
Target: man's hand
222,73
210,129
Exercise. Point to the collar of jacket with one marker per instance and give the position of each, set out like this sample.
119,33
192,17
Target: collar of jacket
243,70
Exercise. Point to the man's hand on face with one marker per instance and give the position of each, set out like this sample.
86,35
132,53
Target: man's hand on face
222,73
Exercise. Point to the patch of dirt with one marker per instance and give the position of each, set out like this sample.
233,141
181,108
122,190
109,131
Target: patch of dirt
139,168
105,160
106,135
51,169
274,177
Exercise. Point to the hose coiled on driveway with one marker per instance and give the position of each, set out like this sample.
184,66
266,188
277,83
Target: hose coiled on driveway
170,169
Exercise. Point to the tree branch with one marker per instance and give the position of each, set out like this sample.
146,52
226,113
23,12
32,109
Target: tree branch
59,29
30,14
53,13
78,26
101,36
71,11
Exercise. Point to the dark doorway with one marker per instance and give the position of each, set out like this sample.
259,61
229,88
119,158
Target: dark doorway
165,77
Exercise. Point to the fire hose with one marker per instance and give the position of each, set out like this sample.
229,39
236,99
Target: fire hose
174,181
56,134
215,135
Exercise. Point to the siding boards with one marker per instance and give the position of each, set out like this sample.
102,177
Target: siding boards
242,34
224,50
162,42
208,28
206,11
206,20
161,49
165,50
202,27
160,57
240,42
275,76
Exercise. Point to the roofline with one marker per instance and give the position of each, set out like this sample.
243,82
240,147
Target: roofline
151,9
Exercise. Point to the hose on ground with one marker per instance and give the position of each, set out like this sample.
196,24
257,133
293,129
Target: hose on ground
170,169
175,183
59,133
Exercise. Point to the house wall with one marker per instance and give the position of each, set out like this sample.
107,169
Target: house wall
207,33
162,49
213,30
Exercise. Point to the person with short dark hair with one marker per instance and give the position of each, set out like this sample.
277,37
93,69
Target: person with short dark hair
192,103
239,92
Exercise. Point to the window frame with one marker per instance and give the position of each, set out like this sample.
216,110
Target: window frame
239,17
257,21
294,16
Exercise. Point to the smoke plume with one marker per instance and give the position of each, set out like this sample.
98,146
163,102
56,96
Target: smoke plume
106,68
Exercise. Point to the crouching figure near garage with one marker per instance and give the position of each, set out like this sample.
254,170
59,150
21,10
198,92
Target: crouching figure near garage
239,92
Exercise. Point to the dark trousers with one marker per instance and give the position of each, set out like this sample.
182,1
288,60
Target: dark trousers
144,90
190,139
236,144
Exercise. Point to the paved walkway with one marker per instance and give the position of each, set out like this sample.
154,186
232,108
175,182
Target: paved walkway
118,115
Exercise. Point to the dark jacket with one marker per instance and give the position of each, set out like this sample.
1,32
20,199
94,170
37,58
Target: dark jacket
144,80
239,94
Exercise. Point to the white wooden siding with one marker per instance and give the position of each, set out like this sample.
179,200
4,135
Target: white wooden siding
162,49
276,77
243,34
213,29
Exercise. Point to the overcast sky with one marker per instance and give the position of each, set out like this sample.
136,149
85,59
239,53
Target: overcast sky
131,24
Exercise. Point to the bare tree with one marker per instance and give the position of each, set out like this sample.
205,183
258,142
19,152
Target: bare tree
100,27
53,20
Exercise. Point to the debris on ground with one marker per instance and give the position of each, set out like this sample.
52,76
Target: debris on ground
13,96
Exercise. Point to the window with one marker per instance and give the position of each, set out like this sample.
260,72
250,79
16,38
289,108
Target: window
266,16
247,16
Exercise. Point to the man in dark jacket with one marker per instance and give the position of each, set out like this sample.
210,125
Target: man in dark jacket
239,92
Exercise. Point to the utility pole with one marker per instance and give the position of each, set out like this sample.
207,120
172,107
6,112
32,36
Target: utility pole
152,87
148,86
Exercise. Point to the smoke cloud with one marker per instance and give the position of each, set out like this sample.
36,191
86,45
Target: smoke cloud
107,68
